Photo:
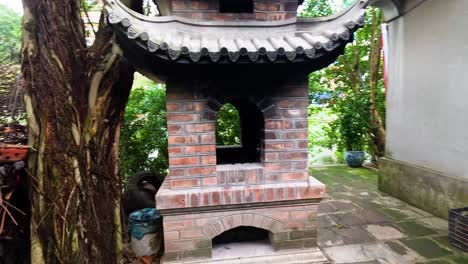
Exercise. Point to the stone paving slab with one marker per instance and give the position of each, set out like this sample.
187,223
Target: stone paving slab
359,224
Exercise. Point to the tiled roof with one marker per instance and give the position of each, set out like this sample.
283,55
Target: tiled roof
185,41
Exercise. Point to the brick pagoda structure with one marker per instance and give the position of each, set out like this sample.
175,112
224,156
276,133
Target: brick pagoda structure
255,55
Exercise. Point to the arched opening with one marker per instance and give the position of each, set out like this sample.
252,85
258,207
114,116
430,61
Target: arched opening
239,133
236,6
242,241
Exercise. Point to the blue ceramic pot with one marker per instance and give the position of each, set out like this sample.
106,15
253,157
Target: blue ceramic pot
354,159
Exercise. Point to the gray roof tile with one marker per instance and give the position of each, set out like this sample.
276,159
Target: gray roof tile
179,38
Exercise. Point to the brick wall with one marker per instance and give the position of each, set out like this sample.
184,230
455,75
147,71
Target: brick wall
286,136
264,10
192,145
191,140
190,236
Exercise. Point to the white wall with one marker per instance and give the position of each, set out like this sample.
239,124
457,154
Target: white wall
427,97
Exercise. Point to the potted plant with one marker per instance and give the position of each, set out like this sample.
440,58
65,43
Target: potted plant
349,129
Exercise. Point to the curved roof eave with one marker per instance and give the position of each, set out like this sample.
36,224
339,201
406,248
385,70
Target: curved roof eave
185,41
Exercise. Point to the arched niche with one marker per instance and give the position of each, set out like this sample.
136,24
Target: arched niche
252,125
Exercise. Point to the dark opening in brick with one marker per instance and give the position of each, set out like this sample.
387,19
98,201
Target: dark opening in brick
241,234
250,130
236,6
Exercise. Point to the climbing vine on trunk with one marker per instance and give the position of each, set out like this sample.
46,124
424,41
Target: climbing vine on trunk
74,97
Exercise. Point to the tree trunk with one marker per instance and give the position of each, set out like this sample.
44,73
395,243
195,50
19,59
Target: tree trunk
74,97
377,130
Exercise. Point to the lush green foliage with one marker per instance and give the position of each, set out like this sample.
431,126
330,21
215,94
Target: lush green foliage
228,126
10,44
318,8
343,89
143,144
10,35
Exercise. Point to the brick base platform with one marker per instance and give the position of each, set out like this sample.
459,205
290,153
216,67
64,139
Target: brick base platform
289,216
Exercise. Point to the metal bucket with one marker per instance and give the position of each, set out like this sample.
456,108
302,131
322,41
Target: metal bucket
145,232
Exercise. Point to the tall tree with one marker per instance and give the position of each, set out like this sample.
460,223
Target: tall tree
75,98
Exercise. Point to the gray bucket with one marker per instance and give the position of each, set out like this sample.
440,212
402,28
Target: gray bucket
145,232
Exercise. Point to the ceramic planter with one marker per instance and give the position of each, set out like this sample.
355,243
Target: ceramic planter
12,153
354,159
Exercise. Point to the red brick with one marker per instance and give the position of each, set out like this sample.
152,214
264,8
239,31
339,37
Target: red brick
301,124
205,221
261,16
176,200
175,150
291,193
208,139
181,107
270,135
210,181
277,16
200,128
216,198
299,215
179,5
177,225
237,196
265,6
227,196
208,160
182,140
181,117
269,195
272,177
258,195
281,216
250,176
271,156
296,135
300,165
279,146
278,166
294,155
185,161
194,199
200,149
180,183
176,172
249,195
310,192
296,225
174,129
302,145
278,124
294,176
191,233
171,235
201,170
204,199
280,194
179,245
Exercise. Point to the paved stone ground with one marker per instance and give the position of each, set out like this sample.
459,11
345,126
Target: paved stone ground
359,224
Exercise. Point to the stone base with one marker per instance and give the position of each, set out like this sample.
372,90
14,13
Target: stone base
429,190
309,256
